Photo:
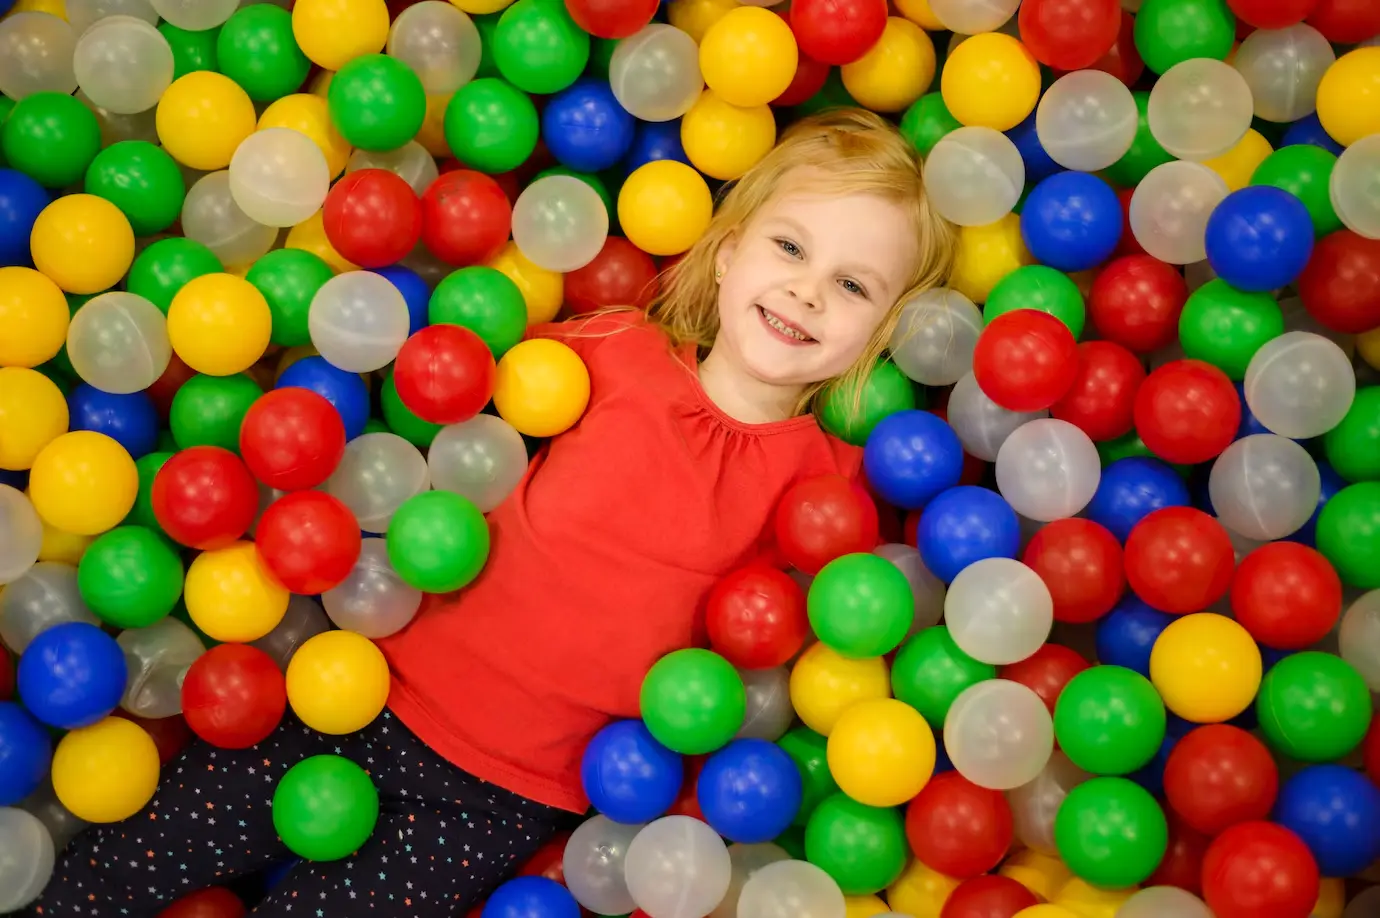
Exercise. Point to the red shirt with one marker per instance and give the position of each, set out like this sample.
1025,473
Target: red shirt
600,563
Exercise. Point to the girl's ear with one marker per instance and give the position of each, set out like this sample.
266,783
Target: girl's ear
723,256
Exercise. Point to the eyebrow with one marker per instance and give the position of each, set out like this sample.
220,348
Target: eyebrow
800,230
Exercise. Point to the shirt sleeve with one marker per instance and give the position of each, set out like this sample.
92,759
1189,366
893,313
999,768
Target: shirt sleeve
585,333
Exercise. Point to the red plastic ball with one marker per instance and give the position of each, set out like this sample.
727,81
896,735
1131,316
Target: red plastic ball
1179,560
215,902
824,517
1287,595
1370,751
234,696
611,18
958,828
1219,775
6,675
166,386
1102,400
1136,302
309,540
989,896
170,735
1128,244
1025,360
466,218
1182,864
204,497
372,217
292,439
620,275
1081,563
1069,34
549,860
837,31
1259,870
1124,62
1271,14
444,374
756,617
1046,671
1340,287
810,77
688,800
1187,411
1346,22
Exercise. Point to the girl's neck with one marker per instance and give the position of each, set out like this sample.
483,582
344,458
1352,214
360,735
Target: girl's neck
740,396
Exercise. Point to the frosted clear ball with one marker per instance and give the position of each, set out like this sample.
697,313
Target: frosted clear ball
655,73
927,589
36,55
1048,470
1035,803
746,860
935,337
279,177
26,858
1282,69
45,596
157,658
118,342
481,459
411,162
116,127
83,14
1199,109
677,867
1170,209
377,473
439,42
123,64
303,620
769,712
196,15
1365,905
1164,902
1359,638
211,216
358,321
969,17
21,538
593,865
998,611
791,889
1355,187
1087,120
560,223
975,176
981,424
62,826
373,600
998,734
1264,487
1299,385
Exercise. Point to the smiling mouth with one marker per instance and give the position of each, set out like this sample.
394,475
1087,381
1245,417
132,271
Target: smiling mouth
785,330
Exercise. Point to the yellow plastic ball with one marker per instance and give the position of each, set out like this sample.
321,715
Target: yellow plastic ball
432,135
543,291
1237,165
864,907
723,141
895,72
105,772
219,324
1043,874
1206,667
62,547
824,684
57,7
310,115
881,752
231,596
83,482
541,387
33,412
986,254
320,85
991,80
84,243
1331,898
480,7
337,682
696,17
331,33
1368,346
920,891
664,207
202,118
1087,901
919,12
1349,96
1045,911
33,323
310,236
749,56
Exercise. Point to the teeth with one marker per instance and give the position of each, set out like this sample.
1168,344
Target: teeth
782,327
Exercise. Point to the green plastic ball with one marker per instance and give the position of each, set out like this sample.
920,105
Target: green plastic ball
325,808
130,577
256,49
927,122
1109,720
487,24
1168,32
51,137
438,541
1111,833
1224,326
208,410
147,465
930,672
589,179
192,51
861,605
693,701
377,102
538,47
1305,171
809,751
1145,153
1349,534
6,106
1313,707
491,125
1042,289
288,279
850,413
1353,446
142,180
862,847
484,300
165,267
1130,444
402,420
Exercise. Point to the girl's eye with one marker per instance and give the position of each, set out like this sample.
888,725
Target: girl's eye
790,248
853,287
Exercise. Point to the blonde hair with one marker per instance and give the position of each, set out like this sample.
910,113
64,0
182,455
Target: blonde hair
853,151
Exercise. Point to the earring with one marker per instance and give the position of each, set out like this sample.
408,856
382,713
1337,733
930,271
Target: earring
718,275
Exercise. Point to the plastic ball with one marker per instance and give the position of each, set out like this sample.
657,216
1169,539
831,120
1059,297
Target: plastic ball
991,80
1206,667
83,483
202,118
491,125
655,74
308,541
560,223
1264,487
334,32
131,419
541,387
292,439
233,696
958,828
1225,326
439,43
1187,411
1313,707
664,207
791,889
723,141
1170,209
1334,810
231,594
930,671
309,114
1111,832
1047,469
895,71
1136,301
972,17
337,682
1283,68
358,321
444,374
1025,360
377,474
911,456
988,896
42,596
756,617
748,57
1087,120
1199,109
693,701
123,64
466,218
935,336
1218,776
837,33
998,610
33,413
71,675
25,753
1287,596
592,864
130,577
118,342
1179,560
372,600
1070,36
204,497
1299,385
105,772
538,47
438,541
84,243
142,180
621,274
278,177
964,525
749,791
1173,31
824,684
51,137
1340,287
1109,720
1259,868
863,848
377,102
1355,201
975,176
1071,221
1259,238
325,807
211,217
21,201
1345,533
881,752
37,51
628,775
33,307
1346,94
998,734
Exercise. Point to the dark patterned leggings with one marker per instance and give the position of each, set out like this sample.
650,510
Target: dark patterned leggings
444,838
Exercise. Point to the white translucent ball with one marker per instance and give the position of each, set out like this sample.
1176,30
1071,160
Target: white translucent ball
118,342
927,589
1264,487
998,734
1359,638
1048,470
46,595
747,860
303,620
1300,385
123,64
975,176
1365,905
279,177
115,127
1355,187
1199,109
998,611
560,223
378,472
411,162
593,865
36,52
26,858
358,321
1164,902
21,535
439,42
791,889
83,14
655,73
769,711
981,424
1282,68
1035,803
935,337
481,459
677,867
196,15
211,216
969,17
373,600
1170,210
1087,120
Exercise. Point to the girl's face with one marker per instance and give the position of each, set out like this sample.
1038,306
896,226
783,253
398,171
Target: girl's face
806,282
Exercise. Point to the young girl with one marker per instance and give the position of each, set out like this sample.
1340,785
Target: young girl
699,420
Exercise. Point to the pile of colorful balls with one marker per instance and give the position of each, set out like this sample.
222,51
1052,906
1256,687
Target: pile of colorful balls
1096,638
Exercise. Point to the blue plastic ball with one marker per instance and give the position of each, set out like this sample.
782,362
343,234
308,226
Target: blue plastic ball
655,140
1259,238
1331,484
1127,634
1038,164
1249,423
629,776
750,791
415,293
25,753
1131,489
345,390
963,525
911,456
129,419
1336,811
1309,129
21,201
1071,221
72,675
531,897
585,128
